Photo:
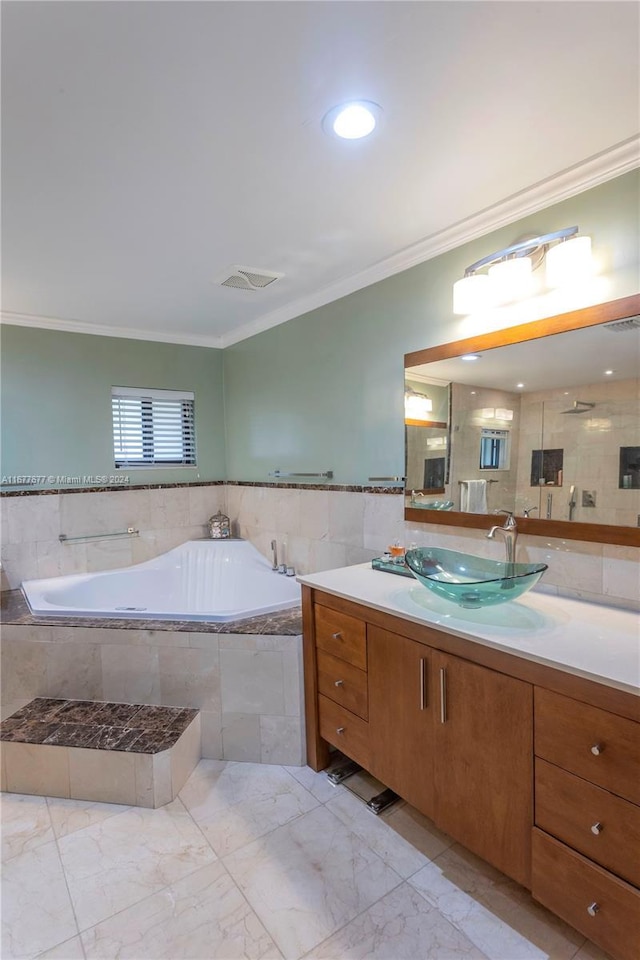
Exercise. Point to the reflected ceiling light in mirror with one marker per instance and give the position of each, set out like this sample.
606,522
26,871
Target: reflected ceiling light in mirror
510,271
417,406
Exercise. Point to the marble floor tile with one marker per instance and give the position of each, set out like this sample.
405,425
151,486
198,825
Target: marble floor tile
496,914
69,950
400,926
203,916
589,951
67,816
235,803
396,852
25,824
113,864
417,829
315,783
308,878
36,910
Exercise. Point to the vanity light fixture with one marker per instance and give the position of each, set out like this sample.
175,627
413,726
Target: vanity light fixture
416,405
510,271
352,121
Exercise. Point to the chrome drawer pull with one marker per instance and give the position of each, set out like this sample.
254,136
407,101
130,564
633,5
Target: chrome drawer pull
338,683
592,909
423,683
336,636
340,730
596,828
443,694
597,749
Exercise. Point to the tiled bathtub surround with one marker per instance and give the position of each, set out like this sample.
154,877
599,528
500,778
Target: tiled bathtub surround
248,687
105,752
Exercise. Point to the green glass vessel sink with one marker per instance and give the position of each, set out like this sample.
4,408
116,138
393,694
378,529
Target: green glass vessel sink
471,581
432,504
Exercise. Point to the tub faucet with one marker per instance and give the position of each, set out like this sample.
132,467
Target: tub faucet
509,531
274,551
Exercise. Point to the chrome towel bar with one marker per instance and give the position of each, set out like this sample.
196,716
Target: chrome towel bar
129,532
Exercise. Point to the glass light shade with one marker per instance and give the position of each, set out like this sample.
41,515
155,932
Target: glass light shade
569,262
417,406
354,122
472,293
512,279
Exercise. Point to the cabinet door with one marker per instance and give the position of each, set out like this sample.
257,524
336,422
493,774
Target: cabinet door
401,716
483,763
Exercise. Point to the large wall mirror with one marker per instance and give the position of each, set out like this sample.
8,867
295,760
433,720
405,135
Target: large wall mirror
542,419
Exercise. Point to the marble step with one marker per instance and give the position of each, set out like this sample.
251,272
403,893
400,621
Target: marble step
132,754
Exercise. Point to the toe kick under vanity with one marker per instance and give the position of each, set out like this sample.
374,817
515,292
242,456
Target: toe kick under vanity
516,729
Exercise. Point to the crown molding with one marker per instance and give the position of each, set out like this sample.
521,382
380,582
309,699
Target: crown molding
611,163
583,176
103,330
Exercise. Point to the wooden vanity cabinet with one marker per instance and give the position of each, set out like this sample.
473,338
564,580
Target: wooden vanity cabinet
401,710
482,762
455,726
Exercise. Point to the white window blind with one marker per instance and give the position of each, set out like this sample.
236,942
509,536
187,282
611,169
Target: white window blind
152,427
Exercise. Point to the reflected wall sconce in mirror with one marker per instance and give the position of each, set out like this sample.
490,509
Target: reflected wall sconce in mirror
417,406
509,273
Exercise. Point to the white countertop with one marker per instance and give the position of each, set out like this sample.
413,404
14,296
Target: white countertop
587,639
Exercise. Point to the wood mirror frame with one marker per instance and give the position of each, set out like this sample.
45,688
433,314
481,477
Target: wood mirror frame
563,323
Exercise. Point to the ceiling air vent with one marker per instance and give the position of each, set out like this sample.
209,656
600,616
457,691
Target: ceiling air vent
247,278
620,326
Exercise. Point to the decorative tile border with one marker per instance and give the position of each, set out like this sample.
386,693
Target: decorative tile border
122,488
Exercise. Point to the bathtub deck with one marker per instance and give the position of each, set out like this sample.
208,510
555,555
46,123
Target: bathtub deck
287,623
134,754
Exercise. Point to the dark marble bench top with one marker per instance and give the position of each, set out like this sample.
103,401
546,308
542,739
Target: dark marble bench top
284,623
94,724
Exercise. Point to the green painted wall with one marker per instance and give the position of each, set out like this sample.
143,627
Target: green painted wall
56,402
325,391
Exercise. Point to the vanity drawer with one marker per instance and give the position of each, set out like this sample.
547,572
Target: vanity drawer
343,683
592,743
342,636
569,808
344,730
571,887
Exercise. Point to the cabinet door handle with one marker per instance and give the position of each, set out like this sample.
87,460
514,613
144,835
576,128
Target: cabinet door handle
338,683
597,749
592,909
596,828
340,730
443,694
336,636
423,683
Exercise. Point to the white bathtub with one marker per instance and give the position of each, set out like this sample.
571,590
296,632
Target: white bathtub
216,580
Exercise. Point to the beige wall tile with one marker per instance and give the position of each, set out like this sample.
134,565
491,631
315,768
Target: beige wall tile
185,756
211,735
37,768
189,677
241,737
130,674
162,764
104,775
24,669
144,779
251,682
74,669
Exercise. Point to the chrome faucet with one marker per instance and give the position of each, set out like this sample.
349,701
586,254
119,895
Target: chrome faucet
509,531
274,550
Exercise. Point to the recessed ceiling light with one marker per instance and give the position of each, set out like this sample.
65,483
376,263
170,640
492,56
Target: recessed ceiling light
352,121
608,373
470,356
519,386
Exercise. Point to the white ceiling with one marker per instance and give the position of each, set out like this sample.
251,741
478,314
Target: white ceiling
147,147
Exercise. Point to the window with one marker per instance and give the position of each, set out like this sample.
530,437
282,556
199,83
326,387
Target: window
494,449
152,427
